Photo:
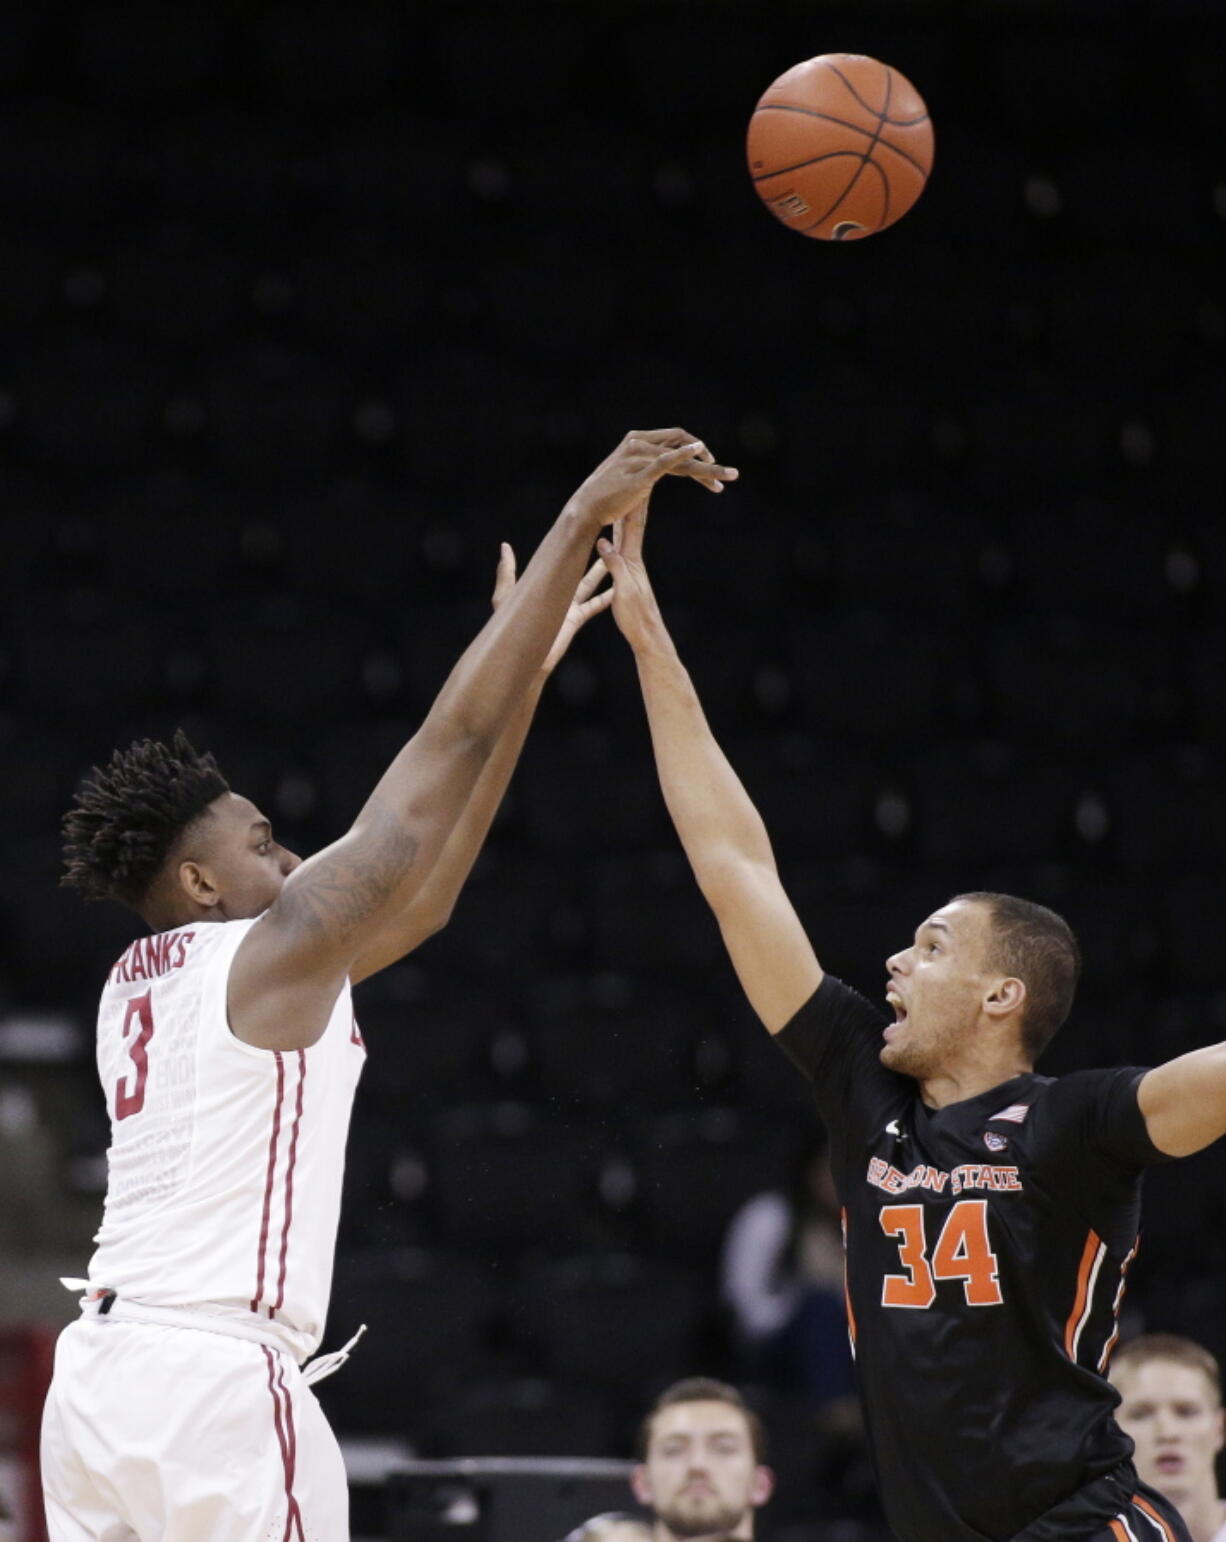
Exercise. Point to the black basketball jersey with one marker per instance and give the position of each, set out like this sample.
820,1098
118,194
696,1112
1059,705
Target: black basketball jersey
988,1244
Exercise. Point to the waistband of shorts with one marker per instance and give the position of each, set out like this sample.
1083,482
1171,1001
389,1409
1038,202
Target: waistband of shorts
1091,1510
107,1307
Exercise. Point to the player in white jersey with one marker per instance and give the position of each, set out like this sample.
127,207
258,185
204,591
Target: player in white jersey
229,1053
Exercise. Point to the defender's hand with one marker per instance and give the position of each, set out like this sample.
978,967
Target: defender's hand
589,601
622,479
634,605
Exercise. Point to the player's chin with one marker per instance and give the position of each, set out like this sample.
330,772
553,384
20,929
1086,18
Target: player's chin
890,1046
895,1057
695,1516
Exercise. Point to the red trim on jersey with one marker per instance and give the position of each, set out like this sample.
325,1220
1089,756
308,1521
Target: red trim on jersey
268,1181
1146,1508
1088,1255
1118,1532
289,1183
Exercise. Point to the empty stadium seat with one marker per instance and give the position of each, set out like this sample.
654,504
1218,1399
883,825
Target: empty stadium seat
520,1416
503,1176
606,1043
428,1317
609,1320
695,1168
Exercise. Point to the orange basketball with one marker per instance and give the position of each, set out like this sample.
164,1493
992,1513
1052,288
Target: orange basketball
840,146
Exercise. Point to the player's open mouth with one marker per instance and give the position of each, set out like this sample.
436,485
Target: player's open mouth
894,1000
1170,1463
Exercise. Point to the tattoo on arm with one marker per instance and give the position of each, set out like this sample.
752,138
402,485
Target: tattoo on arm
349,884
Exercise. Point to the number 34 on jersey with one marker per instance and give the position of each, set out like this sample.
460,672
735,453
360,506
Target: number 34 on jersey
960,1252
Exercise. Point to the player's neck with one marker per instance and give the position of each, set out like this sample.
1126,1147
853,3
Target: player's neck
1204,1513
957,1083
168,918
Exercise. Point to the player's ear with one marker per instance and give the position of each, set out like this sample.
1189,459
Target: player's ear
763,1486
640,1485
1006,997
196,881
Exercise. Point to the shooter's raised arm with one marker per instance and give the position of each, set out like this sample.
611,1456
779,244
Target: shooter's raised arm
330,910
431,907
721,830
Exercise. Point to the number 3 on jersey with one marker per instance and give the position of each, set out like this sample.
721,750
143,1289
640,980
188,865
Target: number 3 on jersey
962,1253
130,1089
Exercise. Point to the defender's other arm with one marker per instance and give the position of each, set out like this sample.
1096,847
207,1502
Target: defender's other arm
1184,1101
721,830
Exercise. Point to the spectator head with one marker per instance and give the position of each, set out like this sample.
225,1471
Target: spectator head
701,1462
1171,1405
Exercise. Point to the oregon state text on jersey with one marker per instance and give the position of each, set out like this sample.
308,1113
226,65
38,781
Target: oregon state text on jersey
225,1163
988,1245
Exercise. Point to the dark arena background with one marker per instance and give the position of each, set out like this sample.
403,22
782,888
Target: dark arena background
304,309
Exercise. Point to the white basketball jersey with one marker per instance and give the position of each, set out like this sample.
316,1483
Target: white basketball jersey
225,1163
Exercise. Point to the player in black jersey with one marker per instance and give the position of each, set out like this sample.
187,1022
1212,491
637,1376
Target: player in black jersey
990,1214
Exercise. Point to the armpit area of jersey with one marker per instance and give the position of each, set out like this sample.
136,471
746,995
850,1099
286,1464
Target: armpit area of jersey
833,1010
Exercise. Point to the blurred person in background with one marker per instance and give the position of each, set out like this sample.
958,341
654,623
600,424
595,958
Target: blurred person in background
1171,1405
782,1277
701,1469
228,1052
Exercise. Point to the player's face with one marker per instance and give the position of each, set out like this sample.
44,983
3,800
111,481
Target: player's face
244,863
700,1476
936,987
1175,1421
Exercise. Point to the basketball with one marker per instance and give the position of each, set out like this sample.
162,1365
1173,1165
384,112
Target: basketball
840,147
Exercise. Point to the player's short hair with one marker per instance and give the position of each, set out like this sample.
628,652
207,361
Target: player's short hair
1169,1346
126,818
703,1389
1036,946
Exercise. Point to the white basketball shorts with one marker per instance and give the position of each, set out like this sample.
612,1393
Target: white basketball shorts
161,1434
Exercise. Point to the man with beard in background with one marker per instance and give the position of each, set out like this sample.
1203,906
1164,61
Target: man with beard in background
701,1468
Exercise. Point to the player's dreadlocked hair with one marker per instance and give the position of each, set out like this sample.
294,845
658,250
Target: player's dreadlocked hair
126,818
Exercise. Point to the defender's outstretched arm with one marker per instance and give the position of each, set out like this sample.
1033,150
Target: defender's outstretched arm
1184,1101
293,961
721,830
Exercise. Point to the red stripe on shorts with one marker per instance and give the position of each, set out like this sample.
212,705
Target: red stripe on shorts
288,1441
268,1181
295,1514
